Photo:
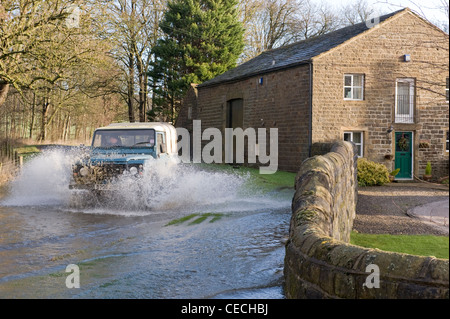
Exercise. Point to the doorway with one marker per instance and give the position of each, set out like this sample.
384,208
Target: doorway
234,119
404,154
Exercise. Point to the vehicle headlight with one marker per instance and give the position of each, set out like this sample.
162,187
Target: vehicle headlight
84,171
133,170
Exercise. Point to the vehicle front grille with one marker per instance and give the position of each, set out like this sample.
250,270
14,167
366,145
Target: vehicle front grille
100,174
109,170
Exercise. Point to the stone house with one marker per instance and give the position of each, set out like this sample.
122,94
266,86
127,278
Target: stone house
383,86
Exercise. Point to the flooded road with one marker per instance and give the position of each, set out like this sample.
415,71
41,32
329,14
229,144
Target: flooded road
204,236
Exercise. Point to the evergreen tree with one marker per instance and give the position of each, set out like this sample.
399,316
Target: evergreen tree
203,38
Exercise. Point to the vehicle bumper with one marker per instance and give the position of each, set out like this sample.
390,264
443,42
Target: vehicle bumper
93,187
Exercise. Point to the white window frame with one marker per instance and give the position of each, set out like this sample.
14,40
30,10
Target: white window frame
402,118
446,89
446,142
353,86
360,144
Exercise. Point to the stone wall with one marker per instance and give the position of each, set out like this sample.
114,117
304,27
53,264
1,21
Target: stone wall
320,262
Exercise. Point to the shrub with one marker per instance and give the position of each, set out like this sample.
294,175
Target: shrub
395,172
371,173
428,169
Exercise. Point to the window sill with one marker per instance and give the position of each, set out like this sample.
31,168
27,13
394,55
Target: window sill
404,122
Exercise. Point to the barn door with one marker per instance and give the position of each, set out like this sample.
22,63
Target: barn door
235,119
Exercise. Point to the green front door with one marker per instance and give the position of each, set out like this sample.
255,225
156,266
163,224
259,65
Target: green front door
403,154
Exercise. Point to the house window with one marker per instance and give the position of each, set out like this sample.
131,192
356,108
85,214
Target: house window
404,101
354,87
446,90
446,142
357,138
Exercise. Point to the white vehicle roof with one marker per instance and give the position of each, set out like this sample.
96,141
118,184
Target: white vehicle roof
159,126
169,129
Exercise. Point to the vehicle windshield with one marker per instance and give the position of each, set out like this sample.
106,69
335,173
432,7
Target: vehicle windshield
124,138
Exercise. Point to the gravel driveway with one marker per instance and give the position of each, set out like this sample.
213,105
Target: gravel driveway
382,209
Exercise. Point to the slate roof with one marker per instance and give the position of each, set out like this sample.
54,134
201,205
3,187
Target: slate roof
293,54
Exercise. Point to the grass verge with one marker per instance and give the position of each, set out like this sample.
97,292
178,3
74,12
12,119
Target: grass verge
420,245
199,218
267,182
27,151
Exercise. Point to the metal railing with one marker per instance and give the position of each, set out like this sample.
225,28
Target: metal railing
404,109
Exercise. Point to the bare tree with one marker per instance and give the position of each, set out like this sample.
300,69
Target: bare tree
271,25
23,28
356,12
275,23
445,7
437,14
316,19
47,57
133,28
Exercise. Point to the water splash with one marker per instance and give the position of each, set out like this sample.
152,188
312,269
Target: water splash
167,186
43,180
164,186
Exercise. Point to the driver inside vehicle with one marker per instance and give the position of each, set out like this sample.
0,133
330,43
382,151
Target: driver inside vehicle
113,141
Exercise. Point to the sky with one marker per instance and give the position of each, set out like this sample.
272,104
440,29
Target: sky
428,8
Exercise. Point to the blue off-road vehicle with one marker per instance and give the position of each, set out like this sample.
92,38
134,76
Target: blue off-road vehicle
122,149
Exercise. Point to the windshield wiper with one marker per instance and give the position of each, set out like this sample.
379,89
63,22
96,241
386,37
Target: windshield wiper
140,143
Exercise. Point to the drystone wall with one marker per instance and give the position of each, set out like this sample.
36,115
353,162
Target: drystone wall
320,262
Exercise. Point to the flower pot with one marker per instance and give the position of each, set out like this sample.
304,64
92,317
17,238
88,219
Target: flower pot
427,178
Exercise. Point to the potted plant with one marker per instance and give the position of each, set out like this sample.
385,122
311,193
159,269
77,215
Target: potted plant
393,174
427,175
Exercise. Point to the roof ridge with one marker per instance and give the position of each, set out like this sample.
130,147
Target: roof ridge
295,53
382,17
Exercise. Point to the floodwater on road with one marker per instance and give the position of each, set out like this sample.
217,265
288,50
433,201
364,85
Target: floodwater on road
196,234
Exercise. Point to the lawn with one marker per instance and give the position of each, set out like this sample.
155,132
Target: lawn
268,182
421,245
